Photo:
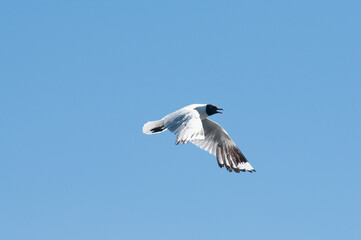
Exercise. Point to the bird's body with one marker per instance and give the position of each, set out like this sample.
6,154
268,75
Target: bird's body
191,124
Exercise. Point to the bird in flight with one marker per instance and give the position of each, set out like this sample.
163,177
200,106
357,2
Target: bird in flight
191,124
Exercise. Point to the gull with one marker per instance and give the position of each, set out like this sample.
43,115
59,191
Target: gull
191,124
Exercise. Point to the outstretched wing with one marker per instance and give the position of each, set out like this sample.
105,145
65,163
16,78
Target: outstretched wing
217,142
186,123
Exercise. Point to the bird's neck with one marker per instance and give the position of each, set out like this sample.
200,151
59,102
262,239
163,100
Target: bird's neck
202,112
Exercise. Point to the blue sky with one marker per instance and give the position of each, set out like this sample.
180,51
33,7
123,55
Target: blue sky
79,79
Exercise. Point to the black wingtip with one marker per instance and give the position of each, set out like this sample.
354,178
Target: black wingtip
220,165
157,129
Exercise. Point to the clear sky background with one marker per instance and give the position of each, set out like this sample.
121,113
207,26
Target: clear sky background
78,79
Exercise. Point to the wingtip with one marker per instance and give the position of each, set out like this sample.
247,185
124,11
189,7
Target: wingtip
220,165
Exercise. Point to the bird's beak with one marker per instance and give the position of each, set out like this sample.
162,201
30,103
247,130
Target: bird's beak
219,109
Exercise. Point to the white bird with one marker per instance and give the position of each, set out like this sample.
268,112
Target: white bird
191,123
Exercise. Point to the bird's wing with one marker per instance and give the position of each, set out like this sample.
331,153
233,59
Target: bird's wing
186,123
218,143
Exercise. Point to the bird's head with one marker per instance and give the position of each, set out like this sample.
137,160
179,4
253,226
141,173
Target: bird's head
211,109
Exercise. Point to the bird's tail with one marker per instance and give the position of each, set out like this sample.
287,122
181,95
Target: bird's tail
154,127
